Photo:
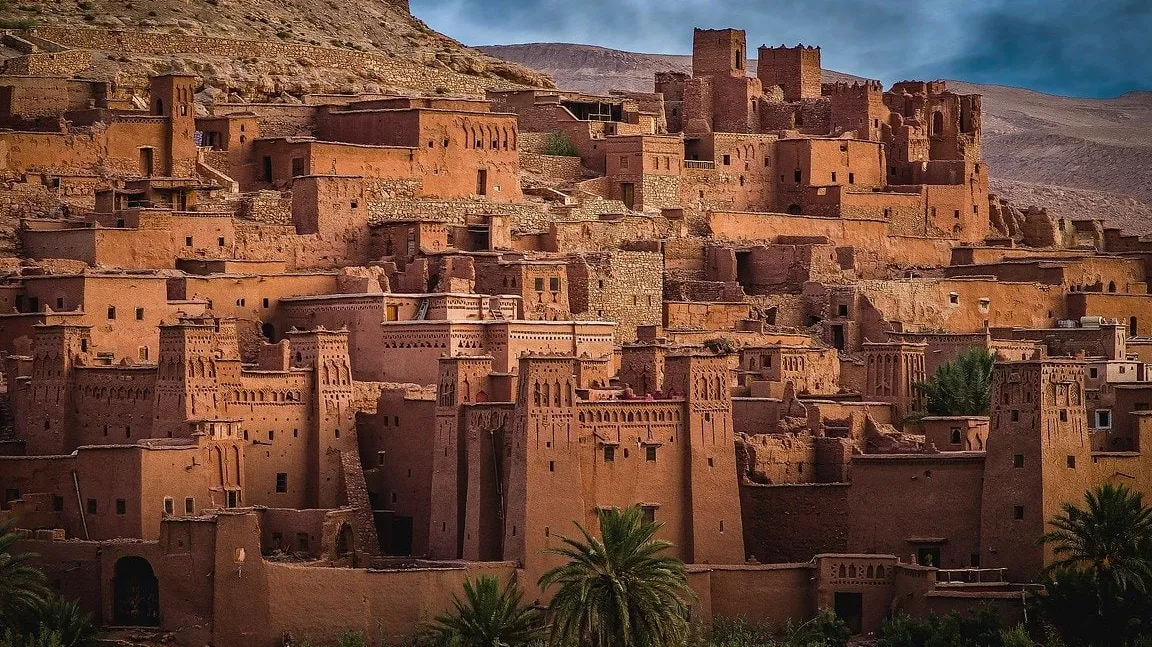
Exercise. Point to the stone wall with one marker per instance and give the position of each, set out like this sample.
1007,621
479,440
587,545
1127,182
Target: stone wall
554,167
67,64
624,287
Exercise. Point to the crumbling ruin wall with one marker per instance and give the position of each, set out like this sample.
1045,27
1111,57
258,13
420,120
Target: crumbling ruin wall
621,286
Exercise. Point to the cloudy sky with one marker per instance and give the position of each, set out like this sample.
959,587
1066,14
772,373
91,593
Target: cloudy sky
1096,48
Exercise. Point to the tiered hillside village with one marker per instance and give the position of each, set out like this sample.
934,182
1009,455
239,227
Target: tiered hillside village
281,370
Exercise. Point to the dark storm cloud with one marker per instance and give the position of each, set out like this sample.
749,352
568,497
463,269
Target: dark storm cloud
1083,47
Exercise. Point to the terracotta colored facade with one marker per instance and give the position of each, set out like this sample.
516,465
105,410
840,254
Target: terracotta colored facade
286,367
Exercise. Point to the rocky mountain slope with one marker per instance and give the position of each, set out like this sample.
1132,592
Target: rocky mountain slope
1076,157
397,52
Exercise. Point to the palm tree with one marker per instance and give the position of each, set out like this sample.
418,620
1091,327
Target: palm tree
961,387
619,591
1110,539
490,615
66,619
22,589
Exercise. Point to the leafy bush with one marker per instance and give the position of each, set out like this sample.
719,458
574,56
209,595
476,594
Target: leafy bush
559,144
19,23
979,629
720,345
823,630
351,639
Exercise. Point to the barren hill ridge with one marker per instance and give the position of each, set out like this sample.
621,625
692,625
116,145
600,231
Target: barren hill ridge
264,50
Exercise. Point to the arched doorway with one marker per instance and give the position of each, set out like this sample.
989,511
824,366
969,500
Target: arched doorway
794,209
136,593
269,332
344,540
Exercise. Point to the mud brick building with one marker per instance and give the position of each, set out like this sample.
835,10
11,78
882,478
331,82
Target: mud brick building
374,345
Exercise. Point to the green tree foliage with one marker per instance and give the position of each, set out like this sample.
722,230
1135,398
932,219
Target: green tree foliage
825,629
619,591
979,629
1109,538
962,387
22,589
1097,591
489,615
559,144
42,638
66,620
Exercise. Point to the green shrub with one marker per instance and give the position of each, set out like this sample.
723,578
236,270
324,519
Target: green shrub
19,23
559,144
351,639
1016,637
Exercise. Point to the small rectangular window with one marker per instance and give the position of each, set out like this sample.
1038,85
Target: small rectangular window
91,506
111,312
139,314
1093,372
121,506
551,466
797,175
1018,512
623,161
609,454
554,284
187,241
539,285
57,504
281,482
649,513
1018,461
727,160
1072,462
265,302
1015,415
1104,418
1063,415
851,178
833,176
189,505
168,507
220,241
302,541
650,454
767,161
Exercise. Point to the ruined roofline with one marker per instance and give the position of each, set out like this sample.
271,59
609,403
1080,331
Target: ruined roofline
378,295
490,322
786,48
421,109
959,457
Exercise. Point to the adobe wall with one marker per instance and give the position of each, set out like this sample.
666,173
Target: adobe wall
901,503
772,594
791,523
893,250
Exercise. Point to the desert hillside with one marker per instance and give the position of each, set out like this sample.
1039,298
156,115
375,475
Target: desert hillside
1075,157
267,49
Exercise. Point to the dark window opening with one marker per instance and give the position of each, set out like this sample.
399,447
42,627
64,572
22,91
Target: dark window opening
650,454
281,482
1018,461
1018,512
121,506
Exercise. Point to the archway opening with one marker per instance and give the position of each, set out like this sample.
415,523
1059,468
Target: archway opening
136,593
269,332
344,540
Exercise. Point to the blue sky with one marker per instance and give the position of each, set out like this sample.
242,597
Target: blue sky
1096,48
